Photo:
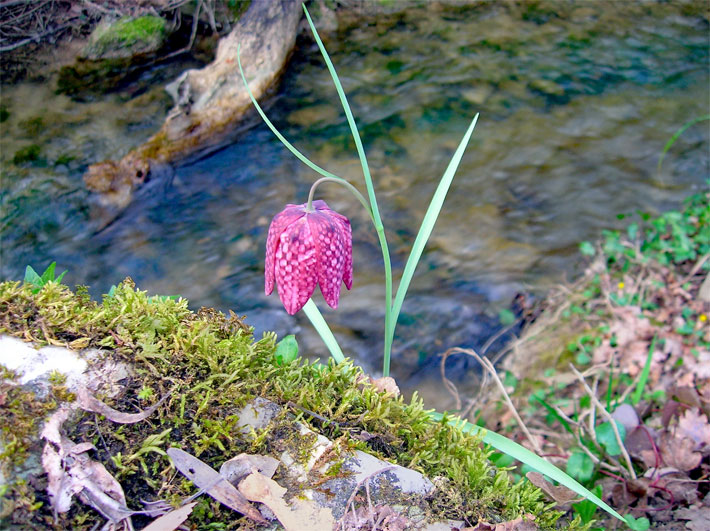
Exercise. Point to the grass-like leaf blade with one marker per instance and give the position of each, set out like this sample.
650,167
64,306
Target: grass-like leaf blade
429,220
638,392
522,454
31,276
554,413
677,134
48,274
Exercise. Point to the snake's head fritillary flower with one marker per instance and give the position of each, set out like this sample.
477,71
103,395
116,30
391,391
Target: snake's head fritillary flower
305,248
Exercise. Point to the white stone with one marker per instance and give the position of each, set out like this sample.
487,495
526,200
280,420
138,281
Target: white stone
32,364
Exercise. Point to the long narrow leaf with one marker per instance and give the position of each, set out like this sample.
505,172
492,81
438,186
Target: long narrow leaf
313,313
638,392
429,220
551,411
513,449
348,115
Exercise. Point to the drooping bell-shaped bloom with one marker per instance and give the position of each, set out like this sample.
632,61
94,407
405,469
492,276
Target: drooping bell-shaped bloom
307,248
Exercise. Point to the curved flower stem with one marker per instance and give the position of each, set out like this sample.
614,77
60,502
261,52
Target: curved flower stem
355,191
389,325
300,156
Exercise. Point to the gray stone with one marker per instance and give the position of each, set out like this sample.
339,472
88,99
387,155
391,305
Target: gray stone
395,485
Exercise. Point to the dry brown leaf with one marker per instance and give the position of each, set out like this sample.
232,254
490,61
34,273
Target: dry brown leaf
680,487
640,440
207,478
694,425
699,518
700,365
560,494
678,452
300,515
89,402
70,471
171,520
650,458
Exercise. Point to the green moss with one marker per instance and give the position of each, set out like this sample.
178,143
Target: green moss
127,36
128,32
211,366
237,8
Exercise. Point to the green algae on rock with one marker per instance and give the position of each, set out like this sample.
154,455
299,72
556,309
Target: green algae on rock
113,52
211,367
126,37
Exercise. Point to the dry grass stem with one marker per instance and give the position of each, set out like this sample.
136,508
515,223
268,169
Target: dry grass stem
486,364
609,418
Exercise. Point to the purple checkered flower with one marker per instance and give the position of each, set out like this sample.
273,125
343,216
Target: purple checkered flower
307,248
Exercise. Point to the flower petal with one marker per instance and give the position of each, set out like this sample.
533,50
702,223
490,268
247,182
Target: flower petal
347,234
330,253
283,219
295,265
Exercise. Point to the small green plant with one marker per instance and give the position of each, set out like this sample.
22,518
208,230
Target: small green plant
39,281
310,245
146,393
286,350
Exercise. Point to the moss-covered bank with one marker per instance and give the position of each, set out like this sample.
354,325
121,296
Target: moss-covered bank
210,366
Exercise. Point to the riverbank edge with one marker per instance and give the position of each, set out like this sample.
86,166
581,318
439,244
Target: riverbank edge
635,329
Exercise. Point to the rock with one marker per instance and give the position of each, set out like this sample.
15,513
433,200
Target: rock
210,102
116,180
114,51
35,369
125,38
307,458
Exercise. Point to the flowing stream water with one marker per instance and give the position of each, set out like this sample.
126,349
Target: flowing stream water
576,102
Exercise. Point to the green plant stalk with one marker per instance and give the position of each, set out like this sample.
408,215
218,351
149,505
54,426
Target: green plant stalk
300,156
525,456
318,322
636,397
389,321
554,413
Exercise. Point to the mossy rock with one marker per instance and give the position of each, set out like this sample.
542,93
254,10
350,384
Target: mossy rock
126,38
208,367
114,53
